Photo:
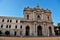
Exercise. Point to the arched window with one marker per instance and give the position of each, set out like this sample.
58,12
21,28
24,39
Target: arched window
6,26
38,17
1,26
48,17
16,21
27,16
21,26
7,20
15,26
9,26
2,20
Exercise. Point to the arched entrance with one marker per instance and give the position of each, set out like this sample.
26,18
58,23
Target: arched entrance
39,31
0,32
15,33
27,30
7,33
50,31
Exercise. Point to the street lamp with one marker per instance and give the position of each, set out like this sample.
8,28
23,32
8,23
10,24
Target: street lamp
57,30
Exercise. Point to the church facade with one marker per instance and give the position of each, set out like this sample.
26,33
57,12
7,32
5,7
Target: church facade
36,22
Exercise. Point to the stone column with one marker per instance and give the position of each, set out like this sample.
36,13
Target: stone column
35,30
48,31
30,33
32,27
53,33
23,30
43,30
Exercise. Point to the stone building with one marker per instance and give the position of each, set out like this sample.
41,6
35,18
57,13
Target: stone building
36,22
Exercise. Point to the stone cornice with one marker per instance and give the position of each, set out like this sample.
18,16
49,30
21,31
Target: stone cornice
7,17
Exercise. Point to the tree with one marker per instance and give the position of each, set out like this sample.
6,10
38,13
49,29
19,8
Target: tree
58,25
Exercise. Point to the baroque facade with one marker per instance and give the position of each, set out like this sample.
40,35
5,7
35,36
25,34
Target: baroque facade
36,22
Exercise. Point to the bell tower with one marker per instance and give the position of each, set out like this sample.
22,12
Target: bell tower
36,13
28,13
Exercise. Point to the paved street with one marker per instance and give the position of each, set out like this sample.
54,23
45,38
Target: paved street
29,38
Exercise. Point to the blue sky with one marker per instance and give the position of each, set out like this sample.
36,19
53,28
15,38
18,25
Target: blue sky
15,7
